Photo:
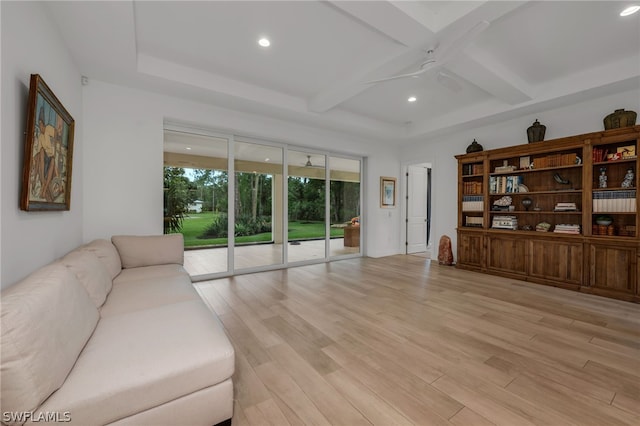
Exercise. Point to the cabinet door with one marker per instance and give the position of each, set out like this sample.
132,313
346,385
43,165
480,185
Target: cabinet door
507,254
556,260
471,250
613,268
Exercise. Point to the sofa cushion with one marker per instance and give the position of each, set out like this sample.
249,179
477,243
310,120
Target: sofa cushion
136,251
107,253
91,273
150,272
141,360
156,289
47,319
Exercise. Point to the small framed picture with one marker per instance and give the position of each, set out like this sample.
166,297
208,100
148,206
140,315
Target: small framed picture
627,151
387,192
525,162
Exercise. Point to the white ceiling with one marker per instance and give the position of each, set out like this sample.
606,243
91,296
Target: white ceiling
534,55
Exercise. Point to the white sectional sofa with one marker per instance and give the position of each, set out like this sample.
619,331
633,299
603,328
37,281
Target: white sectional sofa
114,333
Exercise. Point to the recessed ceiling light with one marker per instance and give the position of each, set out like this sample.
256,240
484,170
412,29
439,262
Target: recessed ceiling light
264,42
412,99
630,10
188,148
266,159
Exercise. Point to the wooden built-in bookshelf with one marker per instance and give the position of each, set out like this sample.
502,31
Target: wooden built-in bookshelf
559,182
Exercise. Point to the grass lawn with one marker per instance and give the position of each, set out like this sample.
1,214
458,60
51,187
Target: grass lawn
195,224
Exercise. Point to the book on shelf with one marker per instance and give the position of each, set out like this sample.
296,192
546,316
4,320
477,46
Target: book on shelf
567,228
504,169
599,154
472,169
472,203
620,201
565,207
504,184
555,160
472,188
505,222
476,221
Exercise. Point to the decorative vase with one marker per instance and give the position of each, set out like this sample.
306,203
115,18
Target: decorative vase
445,253
474,147
526,203
620,118
535,132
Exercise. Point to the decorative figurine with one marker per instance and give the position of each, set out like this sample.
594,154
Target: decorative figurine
602,180
628,179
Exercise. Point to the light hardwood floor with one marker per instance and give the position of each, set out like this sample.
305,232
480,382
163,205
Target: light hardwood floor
401,340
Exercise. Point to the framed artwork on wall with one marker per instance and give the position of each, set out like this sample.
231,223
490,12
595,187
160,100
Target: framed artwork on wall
48,151
387,192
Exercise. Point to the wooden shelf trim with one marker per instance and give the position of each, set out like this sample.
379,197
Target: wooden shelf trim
546,169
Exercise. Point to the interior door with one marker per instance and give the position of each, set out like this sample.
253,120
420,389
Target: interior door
417,209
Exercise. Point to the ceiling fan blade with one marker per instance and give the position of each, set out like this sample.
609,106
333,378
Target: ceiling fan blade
462,42
411,74
448,81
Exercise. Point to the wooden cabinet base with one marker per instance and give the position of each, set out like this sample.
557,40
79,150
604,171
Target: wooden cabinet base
602,267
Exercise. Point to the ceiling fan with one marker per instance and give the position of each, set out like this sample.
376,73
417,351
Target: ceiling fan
310,164
435,59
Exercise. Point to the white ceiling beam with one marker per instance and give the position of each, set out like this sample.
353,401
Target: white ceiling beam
388,20
435,15
599,81
492,77
410,24
384,18
171,71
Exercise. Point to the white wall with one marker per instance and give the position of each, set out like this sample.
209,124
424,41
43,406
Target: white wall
123,160
576,119
31,44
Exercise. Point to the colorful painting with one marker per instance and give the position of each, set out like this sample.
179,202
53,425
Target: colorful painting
387,192
46,180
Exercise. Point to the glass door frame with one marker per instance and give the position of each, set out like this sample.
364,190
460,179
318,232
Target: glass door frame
362,220
285,147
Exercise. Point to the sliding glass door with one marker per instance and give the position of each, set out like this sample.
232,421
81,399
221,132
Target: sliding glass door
241,210
306,231
345,202
258,209
196,183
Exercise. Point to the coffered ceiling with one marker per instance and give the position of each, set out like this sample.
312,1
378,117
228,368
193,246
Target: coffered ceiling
532,56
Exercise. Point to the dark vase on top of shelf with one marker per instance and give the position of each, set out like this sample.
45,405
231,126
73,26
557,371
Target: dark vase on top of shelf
535,132
474,147
620,118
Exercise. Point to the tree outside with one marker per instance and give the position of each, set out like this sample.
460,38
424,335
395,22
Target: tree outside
253,206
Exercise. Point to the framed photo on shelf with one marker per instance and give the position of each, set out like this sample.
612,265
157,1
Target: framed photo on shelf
48,151
387,192
627,151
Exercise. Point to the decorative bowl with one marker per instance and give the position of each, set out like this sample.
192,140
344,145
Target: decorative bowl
604,220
